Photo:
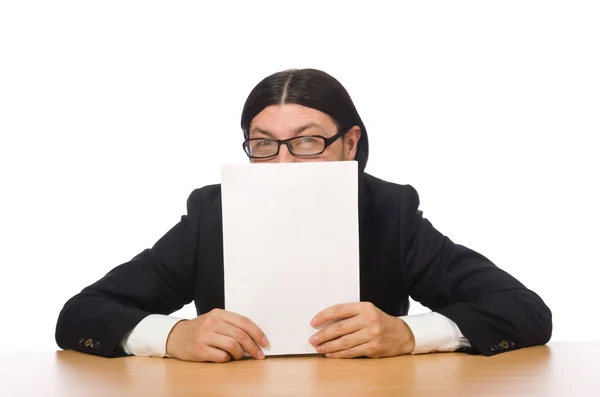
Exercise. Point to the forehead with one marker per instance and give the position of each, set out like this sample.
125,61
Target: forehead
288,117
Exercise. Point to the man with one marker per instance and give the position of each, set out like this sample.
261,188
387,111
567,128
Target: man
307,115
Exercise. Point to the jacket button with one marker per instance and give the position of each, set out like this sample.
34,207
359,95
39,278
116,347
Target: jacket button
98,345
504,344
494,348
88,343
81,341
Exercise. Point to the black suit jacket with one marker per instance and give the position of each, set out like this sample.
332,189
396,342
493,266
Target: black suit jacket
401,254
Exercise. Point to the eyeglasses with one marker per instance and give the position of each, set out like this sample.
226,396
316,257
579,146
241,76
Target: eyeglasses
304,145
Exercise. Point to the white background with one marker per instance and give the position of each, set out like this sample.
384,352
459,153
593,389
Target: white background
112,112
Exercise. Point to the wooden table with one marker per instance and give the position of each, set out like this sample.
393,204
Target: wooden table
560,369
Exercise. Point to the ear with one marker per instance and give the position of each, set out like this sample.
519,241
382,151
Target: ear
351,142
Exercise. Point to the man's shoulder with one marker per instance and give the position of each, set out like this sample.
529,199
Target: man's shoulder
208,191
379,190
206,196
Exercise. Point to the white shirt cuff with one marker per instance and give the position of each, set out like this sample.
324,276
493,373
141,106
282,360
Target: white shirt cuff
434,332
149,337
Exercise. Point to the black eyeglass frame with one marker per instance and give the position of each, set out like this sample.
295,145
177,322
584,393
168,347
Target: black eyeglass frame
286,142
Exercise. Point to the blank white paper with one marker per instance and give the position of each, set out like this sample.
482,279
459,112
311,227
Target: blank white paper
291,247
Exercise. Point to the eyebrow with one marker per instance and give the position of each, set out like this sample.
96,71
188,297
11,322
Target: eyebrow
297,131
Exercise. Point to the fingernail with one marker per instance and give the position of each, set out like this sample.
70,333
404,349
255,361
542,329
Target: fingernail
328,355
320,348
265,341
313,339
313,321
260,354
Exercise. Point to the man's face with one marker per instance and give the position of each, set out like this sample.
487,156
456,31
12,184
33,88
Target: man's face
290,120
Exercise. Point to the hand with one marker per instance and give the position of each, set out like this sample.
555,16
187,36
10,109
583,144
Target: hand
361,329
216,336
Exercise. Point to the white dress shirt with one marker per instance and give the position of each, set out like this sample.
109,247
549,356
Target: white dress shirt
433,332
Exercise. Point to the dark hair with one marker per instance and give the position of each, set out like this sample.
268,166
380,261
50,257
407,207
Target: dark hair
313,89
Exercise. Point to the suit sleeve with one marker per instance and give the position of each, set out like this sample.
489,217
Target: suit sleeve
493,310
159,280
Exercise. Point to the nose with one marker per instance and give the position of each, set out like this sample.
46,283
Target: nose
284,155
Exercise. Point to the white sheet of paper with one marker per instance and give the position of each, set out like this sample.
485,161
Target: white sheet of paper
291,247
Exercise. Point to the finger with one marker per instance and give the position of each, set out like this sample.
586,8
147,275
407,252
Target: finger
227,344
336,312
215,355
366,349
245,341
336,330
344,343
247,325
